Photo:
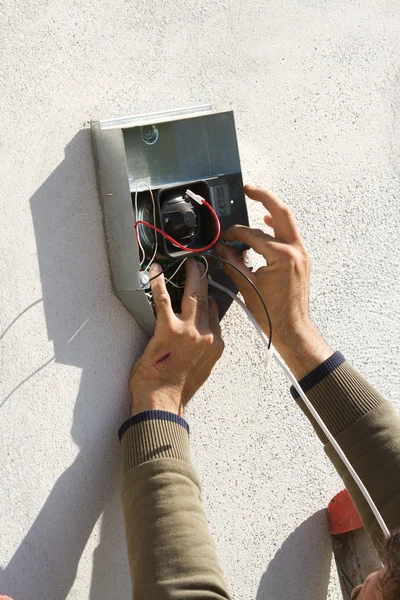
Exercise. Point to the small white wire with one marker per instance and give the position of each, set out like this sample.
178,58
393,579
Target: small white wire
137,218
175,272
179,268
207,266
154,218
312,410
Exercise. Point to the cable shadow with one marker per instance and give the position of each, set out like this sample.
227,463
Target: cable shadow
26,379
18,316
301,564
90,330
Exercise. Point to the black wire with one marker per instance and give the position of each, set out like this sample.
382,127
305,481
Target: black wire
253,285
255,288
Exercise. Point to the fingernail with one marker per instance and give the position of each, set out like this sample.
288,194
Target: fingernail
201,267
155,269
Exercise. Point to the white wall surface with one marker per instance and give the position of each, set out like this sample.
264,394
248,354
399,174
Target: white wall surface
315,89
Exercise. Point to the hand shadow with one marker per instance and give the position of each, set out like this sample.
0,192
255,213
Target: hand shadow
300,570
92,331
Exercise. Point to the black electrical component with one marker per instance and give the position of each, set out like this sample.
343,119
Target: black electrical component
180,218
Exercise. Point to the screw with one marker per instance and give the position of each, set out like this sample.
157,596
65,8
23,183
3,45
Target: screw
149,134
144,280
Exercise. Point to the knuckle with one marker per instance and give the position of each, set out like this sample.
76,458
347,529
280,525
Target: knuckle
193,335
163,299
173,329
289,255
302,256
296,259
258,233
208,339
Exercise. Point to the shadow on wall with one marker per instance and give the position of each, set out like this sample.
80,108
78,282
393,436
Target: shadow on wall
302,564
78,299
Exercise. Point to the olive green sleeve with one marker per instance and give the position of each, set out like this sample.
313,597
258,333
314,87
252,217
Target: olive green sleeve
170,549
367,428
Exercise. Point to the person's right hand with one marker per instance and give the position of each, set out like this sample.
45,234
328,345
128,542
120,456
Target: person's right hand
283,283
184,348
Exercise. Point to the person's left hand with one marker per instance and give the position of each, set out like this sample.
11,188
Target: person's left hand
184,349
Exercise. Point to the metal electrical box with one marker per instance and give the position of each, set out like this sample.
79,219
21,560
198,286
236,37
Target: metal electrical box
162,150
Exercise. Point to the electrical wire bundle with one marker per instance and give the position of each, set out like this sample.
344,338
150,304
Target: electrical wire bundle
271,352
196,251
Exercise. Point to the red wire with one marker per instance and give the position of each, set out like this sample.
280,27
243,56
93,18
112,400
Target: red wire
170,239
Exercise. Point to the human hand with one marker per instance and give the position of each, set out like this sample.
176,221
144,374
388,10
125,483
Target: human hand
181,354
283,283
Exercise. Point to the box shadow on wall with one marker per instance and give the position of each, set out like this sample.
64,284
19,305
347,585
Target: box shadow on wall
77,291
301,568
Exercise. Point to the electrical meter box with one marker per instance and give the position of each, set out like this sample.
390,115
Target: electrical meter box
153,158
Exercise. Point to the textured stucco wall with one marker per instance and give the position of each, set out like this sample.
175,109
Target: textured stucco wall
315,89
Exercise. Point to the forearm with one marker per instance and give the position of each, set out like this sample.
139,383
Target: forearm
170,549
367,429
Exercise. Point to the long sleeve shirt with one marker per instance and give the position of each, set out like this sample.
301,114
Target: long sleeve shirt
170,549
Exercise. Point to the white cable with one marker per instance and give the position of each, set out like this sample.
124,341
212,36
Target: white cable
242,305
137,218
207,266
312,410
180,266
155,234
154,218
175,272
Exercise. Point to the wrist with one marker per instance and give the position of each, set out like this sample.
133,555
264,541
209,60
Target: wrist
167,399
305,350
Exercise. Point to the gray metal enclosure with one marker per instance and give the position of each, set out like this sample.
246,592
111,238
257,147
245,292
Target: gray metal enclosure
160,150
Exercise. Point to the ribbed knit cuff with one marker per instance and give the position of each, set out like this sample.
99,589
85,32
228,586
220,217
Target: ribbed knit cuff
152,415
153,434
318,374
339,394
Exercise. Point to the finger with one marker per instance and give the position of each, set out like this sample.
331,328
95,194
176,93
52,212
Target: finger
233,257
195,295
255,238
203,280
268,220
161,297
284,223
214,317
